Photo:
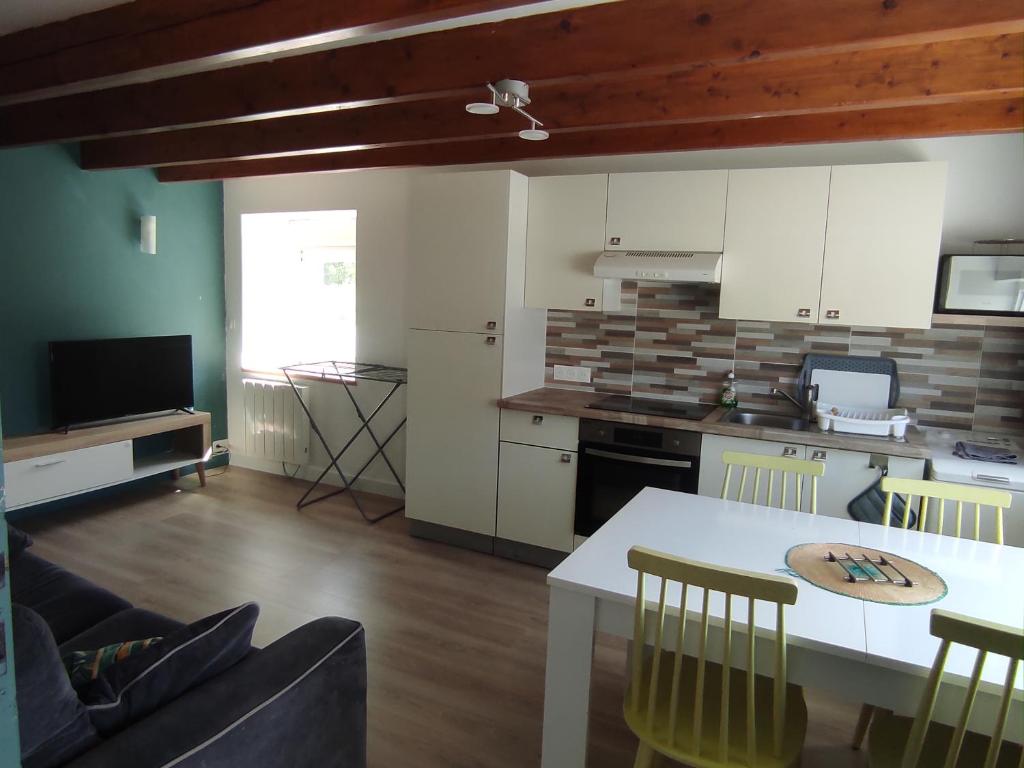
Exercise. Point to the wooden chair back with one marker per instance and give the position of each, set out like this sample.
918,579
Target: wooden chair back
987,638
784,466
940,493
753,586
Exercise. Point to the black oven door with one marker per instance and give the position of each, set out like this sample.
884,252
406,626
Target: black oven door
609,476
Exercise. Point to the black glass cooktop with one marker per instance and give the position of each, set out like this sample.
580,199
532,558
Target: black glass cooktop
650,407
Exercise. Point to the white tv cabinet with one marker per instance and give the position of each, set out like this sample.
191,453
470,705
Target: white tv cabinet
55,465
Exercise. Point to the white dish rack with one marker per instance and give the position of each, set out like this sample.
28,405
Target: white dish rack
883,422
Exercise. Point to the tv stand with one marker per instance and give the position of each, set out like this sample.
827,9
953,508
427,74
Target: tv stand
51,466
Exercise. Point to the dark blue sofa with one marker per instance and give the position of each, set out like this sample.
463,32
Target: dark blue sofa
299,702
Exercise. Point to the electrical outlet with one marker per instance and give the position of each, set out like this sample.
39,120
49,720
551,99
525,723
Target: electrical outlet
220,446
572,373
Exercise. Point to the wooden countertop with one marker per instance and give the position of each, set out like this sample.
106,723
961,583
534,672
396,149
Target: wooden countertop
567,402
33,446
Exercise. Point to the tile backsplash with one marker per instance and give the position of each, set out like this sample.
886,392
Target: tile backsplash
668,342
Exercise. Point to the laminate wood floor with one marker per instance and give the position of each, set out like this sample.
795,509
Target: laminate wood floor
456,639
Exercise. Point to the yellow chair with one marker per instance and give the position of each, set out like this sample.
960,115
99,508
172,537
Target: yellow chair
899,742
940,493
681,706
799,468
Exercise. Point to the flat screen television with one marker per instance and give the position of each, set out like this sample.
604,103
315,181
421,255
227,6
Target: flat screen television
102,379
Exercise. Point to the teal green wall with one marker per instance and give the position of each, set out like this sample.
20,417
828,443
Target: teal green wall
71,268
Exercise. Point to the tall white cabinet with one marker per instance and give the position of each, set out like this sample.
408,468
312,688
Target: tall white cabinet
471,342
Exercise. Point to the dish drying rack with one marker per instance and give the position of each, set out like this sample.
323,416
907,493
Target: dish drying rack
881,422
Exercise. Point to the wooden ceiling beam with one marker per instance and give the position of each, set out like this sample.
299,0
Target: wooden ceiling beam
588,43
147,35
991,116
937,72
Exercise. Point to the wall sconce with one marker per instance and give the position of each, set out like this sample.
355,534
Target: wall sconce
147,239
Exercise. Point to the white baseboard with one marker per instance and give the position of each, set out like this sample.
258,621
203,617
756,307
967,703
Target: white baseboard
310,472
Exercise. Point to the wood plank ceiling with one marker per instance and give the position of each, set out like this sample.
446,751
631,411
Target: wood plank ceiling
206,89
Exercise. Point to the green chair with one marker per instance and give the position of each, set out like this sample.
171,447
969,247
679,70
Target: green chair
939,493
902,742
798,468
694,710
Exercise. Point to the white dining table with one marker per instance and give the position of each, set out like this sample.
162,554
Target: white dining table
858,650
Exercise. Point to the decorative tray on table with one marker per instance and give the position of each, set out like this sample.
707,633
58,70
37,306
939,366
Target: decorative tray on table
865,573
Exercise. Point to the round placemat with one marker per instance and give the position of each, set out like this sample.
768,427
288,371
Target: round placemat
813,562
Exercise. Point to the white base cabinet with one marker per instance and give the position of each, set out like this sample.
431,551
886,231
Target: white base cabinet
35,480
452,439
537,495
847,473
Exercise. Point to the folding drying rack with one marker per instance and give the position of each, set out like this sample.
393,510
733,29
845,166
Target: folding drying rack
346,374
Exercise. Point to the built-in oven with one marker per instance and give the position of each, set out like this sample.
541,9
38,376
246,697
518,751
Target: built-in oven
617,461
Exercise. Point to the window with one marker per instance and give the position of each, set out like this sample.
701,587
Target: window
298,288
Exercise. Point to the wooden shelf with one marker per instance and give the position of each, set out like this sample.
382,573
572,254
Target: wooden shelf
34,446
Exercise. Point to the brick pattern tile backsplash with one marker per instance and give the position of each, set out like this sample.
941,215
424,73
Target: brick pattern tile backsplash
668,342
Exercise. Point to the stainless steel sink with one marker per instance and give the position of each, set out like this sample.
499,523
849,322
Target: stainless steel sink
752,419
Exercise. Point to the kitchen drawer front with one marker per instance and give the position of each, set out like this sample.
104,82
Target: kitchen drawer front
543,429
49,477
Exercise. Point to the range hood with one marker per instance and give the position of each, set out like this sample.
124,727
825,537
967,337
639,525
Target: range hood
666,266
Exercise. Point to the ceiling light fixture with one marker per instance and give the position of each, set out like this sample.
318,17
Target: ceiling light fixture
513,94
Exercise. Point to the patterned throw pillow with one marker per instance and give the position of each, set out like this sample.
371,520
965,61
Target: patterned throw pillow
85,666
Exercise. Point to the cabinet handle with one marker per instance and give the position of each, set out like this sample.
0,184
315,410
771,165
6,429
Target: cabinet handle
803,312
538,419
590,303
789,451
491,325
567,458
832,314
491,340
614,240
819,456
44,464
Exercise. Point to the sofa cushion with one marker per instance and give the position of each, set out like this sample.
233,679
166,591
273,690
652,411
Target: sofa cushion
129,624
17,542
131,689
54,725
68,603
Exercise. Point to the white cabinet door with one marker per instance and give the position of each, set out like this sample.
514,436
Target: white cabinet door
882,244
458,248
774,244
564,236
848,473
666,211
537,496
712,470
452,440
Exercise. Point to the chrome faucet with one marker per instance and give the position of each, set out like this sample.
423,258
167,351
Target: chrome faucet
810,398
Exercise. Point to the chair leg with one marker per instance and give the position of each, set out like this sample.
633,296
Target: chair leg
866,712
644,756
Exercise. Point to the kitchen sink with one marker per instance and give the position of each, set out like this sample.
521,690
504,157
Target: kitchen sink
753,419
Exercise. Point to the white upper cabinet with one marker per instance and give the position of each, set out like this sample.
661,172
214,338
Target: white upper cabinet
668,211
774,241
459,244
564,236
882,244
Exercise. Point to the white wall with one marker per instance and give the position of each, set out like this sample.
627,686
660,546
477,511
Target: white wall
381,200
985,199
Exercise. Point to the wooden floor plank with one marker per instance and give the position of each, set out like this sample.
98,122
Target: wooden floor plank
456,639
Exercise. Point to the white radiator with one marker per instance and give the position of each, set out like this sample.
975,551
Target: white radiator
276,427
